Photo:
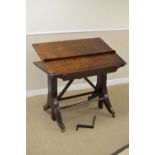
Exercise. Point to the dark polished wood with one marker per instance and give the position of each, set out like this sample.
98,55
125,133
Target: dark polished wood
71,48
79,65
52,93
103,92
75,59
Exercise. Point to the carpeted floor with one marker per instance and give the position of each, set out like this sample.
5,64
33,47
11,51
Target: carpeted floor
45,138
125,152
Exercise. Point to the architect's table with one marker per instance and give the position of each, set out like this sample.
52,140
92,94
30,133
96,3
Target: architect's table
75,59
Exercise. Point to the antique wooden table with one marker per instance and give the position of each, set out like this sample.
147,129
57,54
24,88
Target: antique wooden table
75,59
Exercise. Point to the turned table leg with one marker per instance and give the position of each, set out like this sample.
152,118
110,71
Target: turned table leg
103,92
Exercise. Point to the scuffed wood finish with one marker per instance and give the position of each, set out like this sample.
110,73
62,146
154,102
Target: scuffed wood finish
78,64
87,65
71,48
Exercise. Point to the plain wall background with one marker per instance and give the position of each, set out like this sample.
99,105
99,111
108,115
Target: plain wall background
76,15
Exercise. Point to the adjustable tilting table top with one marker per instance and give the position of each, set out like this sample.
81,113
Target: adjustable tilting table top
74,59
83,56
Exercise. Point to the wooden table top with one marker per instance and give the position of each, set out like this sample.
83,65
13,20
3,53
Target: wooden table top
65,58
71,48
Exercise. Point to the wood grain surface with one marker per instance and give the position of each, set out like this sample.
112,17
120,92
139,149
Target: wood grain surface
81,64
83,57
71,48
